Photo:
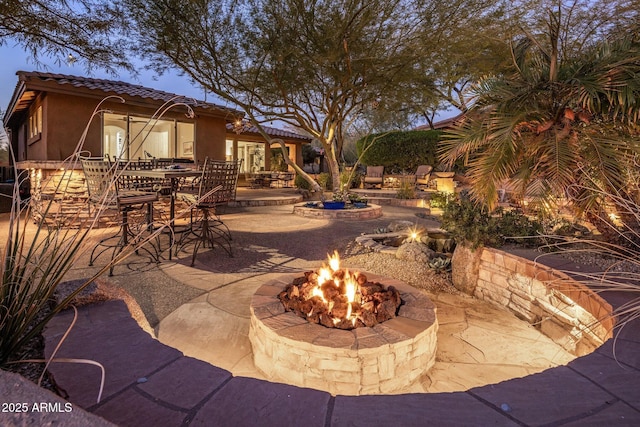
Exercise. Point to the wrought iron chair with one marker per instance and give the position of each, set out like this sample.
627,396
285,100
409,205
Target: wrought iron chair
138,183
253,180
104,192
216,188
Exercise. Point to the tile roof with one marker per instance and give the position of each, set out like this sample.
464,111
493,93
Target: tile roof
120,88
270,131
443,124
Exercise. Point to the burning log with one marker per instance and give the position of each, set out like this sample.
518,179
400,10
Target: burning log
337,298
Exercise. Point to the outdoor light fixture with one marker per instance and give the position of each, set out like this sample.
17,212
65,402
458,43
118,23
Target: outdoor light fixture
241,125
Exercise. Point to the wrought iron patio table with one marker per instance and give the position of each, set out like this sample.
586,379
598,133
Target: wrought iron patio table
173,175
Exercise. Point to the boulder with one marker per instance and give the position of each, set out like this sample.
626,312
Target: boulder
415,251
399,225
465,268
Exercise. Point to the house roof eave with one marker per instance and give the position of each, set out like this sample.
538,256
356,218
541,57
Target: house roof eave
98,89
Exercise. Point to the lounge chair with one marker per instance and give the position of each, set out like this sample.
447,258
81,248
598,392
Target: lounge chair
374,176
423,175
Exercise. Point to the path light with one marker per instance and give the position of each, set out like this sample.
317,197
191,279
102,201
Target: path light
413,234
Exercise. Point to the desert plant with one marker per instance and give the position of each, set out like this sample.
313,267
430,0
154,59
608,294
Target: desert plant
324,181
339,196
516,227
440,264
407,190
472,223
440,199
357,198
302,183
469,223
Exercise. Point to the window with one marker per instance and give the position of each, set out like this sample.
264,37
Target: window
253,155
131,137
35,123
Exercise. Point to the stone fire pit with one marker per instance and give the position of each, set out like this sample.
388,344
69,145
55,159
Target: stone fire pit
367,360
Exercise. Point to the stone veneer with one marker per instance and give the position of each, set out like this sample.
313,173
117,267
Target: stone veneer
565,310
370,212
66,190
405,203
60,197
382,359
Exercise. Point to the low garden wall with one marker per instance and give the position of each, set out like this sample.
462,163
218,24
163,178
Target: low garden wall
562,308
369,212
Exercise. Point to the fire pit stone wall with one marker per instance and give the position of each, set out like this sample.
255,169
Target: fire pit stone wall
381,359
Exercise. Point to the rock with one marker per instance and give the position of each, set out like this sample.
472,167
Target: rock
399,225
465,268
414,251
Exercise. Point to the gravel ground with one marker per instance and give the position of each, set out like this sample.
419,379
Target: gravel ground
413,273
604,263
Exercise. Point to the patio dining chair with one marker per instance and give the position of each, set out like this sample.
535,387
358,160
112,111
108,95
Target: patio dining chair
216,188
253,180
104,192
141,183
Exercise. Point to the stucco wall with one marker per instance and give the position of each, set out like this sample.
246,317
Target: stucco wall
65,118
210,138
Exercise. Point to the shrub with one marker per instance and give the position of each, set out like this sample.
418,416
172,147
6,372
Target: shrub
400,151
440,199
474,224
406,190
324,180
518,228
302,183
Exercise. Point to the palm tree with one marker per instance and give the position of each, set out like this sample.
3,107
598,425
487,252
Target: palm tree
557,121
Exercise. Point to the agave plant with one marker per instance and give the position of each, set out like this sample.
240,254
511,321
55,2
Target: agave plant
440,264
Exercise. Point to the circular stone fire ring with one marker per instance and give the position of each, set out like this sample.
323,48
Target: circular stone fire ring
368,212
383,359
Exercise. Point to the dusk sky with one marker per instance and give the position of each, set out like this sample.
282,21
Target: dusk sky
16,59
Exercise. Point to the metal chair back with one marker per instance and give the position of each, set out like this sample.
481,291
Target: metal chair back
99,177
215,173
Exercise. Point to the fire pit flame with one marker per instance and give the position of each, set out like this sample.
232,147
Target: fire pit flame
336,297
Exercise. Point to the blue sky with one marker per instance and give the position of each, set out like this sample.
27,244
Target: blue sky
14,58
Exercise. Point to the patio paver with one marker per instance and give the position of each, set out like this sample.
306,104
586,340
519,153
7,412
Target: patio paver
149,383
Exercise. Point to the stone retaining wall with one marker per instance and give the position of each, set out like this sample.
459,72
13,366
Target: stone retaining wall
562,308
406,203
60,196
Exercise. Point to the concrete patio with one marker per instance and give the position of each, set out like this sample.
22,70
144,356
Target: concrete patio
491,368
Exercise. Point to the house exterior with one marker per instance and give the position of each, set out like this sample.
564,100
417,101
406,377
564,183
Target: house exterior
256,153
49,113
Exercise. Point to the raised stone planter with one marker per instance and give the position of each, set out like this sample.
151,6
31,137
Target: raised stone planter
370,212
565,310
382,359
